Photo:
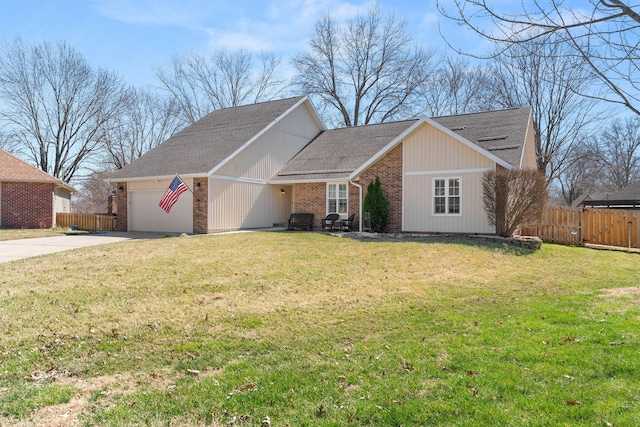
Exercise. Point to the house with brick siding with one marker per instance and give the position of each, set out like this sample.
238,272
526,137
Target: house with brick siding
252,166
29,197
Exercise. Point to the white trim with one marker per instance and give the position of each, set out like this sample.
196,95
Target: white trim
411,129
404,186
258,135
314,113
337,198
524,146
395,141
446,196
156,178
239,179
359,187
448,172
309,181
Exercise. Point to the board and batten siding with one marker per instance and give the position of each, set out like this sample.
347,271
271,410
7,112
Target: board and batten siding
265,156
61,202
429,154
529,152
239,196
243,205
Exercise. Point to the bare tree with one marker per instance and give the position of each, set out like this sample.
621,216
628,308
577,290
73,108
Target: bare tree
619,154
56,104
93,195
603,34
201,84
541,76
367,71
581,174
457,87
145,121
513,198
8,142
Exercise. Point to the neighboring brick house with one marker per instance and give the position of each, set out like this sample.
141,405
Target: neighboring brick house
254,165
29,197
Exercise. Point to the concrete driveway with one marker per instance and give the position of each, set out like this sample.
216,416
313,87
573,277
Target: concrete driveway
12,250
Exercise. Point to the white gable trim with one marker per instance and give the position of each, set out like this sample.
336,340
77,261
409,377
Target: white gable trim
307,180
526,137
239,179
156,178
448,171
312,110
426,120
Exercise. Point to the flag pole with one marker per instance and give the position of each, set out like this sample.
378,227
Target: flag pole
185,184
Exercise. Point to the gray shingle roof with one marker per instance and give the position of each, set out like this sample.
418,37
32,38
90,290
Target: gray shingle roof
630,192
200,147
502,133
337,153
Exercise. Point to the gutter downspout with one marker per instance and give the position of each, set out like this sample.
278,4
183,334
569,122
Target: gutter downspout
359,204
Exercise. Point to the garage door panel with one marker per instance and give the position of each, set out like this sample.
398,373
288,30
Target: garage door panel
146,215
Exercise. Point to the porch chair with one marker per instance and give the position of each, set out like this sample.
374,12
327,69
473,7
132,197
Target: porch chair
347,224
329,222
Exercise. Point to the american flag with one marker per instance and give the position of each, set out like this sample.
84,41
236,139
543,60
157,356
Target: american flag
170,198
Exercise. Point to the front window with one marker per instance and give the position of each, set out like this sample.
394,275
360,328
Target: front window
446,196
337,198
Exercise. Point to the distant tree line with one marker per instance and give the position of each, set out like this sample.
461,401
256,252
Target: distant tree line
71,119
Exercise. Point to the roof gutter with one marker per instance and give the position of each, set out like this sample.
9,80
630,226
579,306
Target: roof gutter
155,178
359,204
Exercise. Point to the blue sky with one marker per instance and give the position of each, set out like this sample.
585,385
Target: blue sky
134,37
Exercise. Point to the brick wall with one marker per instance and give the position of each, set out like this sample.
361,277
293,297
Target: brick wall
123,207
26,205
310,198
389,169
200,218
313,197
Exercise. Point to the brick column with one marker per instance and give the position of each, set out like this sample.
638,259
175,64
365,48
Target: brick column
389,169
123,207
200,205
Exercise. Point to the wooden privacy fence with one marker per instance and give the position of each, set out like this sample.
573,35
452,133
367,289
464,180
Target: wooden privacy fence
578,226
87,222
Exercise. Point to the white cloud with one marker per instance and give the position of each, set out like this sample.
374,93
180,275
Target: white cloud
280,26
154,12
236,40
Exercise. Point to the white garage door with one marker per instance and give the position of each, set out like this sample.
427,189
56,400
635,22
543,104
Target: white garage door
146,215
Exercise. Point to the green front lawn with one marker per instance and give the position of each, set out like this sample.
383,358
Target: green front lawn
310,329
15,234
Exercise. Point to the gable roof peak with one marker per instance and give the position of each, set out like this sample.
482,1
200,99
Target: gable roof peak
14,169
204,145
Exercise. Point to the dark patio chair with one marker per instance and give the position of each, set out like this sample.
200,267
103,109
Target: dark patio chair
347,224
329,222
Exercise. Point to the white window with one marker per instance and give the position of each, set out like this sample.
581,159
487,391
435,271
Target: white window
337,198
446,196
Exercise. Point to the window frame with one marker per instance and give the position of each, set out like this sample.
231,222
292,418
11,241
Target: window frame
448,197
337,198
